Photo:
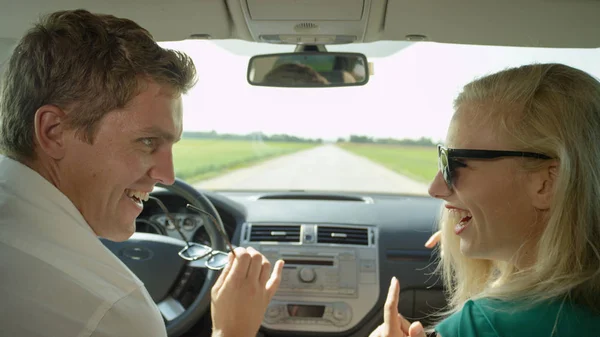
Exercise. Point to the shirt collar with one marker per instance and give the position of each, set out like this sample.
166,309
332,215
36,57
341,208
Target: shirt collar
38,191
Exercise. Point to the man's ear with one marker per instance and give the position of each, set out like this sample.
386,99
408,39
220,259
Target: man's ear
543,185
50,127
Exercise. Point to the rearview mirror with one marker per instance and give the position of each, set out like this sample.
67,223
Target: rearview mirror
308,69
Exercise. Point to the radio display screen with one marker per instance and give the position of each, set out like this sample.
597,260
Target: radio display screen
305,310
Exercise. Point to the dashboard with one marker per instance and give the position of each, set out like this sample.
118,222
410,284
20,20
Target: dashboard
341,251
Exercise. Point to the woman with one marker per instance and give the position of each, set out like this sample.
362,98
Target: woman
520,180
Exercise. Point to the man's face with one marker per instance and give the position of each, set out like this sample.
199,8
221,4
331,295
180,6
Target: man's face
131,152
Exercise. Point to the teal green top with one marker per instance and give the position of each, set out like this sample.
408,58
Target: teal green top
495,318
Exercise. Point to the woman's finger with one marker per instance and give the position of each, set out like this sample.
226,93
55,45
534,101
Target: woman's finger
416,330
434,239
404,324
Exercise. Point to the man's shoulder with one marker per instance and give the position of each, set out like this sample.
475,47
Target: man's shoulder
52,302
44,281
45,255
78,261
135,315
58,279
38,239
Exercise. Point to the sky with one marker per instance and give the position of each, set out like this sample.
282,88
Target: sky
410,94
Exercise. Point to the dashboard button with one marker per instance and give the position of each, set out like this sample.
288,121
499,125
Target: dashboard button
367,266
339,314
273,311
307,275
367,278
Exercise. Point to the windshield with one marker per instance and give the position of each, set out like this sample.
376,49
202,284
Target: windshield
377,138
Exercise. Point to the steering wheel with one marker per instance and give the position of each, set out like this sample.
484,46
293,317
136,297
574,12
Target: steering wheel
154,260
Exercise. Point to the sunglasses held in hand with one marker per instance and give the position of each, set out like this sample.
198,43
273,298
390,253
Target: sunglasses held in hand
215,260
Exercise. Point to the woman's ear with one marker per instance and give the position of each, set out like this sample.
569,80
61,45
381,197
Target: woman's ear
543,184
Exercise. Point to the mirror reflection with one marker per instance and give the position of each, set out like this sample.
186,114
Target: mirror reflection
306,69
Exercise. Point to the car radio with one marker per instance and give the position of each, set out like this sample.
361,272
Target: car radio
329,280
334,275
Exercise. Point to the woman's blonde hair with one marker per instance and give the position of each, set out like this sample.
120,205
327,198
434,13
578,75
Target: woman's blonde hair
552,109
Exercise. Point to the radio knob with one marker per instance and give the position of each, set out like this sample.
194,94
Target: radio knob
339,313
307,275
273,311
342,314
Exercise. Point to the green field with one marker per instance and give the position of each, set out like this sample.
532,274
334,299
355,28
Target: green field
416,162
197,159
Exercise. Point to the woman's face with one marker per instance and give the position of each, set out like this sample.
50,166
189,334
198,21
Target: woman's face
492,197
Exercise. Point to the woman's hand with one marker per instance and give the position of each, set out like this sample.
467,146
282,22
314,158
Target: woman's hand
434,239
394,325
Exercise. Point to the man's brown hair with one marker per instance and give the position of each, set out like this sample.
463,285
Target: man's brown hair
84,63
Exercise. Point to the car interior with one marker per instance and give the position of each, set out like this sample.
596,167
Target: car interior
384,69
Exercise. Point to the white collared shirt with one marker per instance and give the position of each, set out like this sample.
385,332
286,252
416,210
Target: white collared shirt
56,277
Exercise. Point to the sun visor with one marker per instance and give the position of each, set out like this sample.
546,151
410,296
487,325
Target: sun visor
307,21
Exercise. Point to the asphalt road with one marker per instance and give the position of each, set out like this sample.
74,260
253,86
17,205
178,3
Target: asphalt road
324,168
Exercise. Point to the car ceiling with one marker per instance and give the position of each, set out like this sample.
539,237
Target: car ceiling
534,23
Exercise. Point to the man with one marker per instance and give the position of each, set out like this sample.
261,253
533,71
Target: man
89,111
294,73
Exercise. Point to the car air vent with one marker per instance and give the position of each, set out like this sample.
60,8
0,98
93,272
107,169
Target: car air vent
343,235
315,196
277,233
